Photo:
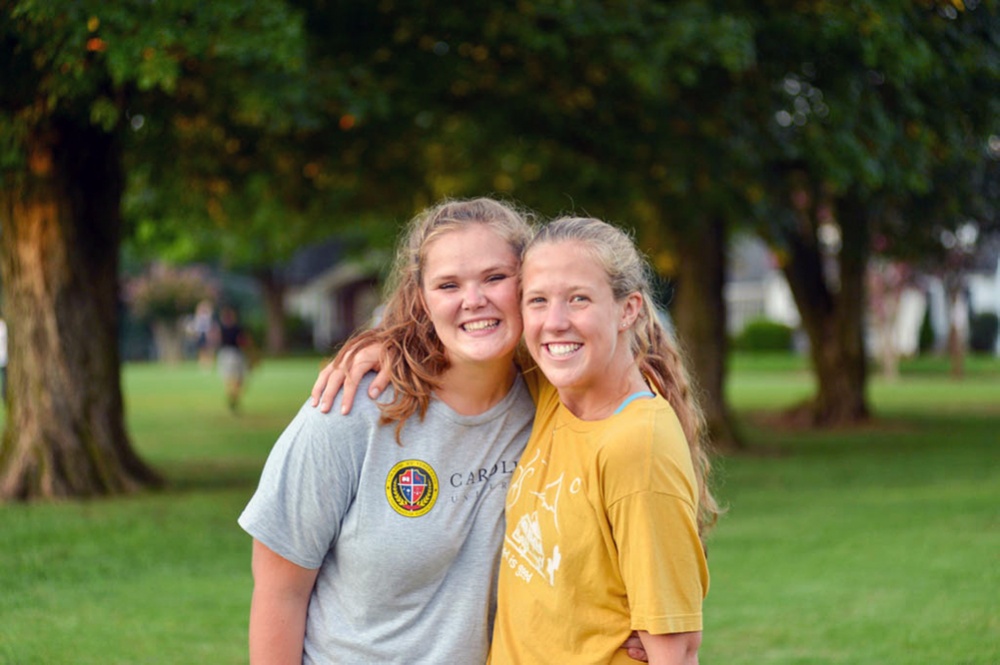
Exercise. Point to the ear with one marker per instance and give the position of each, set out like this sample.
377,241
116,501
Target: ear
631,308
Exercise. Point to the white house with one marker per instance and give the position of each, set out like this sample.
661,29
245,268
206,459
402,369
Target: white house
758,289
335,292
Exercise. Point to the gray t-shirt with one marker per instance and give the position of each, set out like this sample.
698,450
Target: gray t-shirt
406,538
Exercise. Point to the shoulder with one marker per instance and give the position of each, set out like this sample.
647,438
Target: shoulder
645,445
543,393
647,425
333,432
363,409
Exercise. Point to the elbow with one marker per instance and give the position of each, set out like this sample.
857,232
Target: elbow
691,645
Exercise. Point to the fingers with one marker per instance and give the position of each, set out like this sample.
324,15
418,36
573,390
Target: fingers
350,385
359,367
634,649
638,654
333,379
379,383
333,385
317,389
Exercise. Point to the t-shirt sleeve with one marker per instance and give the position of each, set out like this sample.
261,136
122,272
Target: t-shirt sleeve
661,561
653,517
308,483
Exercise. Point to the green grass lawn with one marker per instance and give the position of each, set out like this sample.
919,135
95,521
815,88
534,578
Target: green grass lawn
875,545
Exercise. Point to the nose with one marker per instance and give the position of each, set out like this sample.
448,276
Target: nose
472,297
555,317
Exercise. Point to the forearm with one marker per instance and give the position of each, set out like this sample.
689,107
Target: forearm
278,609
671,649
277,629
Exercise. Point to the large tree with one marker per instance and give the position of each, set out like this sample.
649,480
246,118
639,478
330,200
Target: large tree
357,156
82,80
861,105
614,112
821,121
687,119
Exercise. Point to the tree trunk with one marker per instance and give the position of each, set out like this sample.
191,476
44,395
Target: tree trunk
700,317
958,314
273,290
832,311
64,434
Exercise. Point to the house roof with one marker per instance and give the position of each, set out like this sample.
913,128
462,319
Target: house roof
313,260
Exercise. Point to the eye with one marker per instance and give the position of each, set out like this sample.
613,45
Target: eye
446,286
496,278
534,300
579,299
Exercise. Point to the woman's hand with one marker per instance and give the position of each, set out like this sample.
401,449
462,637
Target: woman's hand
633,647
333,378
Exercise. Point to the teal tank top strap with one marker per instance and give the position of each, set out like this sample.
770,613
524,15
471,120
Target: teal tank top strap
631,398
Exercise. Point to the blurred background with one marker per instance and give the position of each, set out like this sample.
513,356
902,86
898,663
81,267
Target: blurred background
815,183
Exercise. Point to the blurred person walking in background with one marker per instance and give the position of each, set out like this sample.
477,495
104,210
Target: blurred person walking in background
201,329
236,354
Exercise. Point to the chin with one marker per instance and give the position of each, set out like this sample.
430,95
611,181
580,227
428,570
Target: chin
487,355
557,377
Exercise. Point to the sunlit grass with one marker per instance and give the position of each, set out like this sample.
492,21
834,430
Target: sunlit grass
872,545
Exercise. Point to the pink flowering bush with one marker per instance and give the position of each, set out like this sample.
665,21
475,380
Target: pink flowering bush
166,293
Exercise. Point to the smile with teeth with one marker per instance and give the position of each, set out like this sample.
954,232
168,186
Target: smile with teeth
474,326
562,349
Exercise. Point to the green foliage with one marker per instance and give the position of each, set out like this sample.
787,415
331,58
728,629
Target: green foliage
97,62
764,335
888,100
343,159
284,126
983,329
211,101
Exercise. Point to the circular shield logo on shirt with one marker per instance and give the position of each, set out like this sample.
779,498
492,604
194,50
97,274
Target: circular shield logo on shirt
411,488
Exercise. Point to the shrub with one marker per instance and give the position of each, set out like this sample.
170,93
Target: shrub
166,293
927,338
765,335
983,332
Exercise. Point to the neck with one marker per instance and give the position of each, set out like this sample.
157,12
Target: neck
599,404
474,389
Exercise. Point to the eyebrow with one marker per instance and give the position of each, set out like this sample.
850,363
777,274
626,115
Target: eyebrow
500,267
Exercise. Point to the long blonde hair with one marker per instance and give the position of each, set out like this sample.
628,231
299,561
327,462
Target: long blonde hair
655,353
412,352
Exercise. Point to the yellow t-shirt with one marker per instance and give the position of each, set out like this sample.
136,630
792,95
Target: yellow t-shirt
601,536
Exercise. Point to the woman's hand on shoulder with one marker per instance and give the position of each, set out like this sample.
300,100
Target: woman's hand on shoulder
334,377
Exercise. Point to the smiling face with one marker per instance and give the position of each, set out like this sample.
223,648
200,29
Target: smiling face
470,292
573,326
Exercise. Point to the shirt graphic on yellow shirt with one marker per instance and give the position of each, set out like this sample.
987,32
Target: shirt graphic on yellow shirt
526,538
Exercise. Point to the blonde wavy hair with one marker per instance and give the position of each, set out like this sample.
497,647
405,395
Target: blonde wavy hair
412,353
655,352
